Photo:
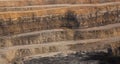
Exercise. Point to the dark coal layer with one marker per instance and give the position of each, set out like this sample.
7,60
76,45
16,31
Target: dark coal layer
77,58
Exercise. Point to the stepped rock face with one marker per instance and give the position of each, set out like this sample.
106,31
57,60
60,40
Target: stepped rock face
28,32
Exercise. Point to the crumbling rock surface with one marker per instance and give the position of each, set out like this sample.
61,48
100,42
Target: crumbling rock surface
54,34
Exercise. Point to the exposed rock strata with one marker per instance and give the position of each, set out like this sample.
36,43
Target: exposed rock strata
44,32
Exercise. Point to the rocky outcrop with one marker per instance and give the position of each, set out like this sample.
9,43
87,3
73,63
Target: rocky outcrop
34,33
32,22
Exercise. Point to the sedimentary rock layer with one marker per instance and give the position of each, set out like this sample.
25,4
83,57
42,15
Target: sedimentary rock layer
62,29
65,18
81,9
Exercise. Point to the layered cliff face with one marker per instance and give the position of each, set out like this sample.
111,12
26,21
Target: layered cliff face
30,32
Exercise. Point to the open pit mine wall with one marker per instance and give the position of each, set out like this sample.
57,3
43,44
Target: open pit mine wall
12,3
32,33
82,9
57,35
28,21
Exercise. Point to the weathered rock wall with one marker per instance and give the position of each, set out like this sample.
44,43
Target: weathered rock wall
48,42
34,50
48,36
29,34
84,9
34,23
